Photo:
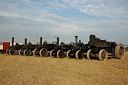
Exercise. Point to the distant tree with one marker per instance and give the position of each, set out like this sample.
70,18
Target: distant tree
126,48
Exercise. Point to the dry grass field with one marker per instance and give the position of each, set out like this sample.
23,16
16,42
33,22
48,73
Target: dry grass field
30,70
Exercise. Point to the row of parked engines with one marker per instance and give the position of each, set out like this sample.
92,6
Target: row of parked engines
95,48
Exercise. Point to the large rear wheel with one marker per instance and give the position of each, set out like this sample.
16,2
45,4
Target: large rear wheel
52,53
43,52
79,54
103,55
27,52
60,54
89,54
68,54
120,52
11,51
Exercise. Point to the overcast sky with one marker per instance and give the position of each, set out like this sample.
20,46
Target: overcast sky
107,19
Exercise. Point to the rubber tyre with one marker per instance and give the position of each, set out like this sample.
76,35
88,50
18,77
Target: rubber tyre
120,52
46,52
103,55
79,56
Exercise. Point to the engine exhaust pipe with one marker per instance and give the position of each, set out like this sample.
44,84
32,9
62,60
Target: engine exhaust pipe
57,41
40,40
25,41
76,40
12,41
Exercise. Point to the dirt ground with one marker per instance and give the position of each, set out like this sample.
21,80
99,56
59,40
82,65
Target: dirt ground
30,70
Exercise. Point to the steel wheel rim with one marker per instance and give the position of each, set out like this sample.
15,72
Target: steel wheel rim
121,52
43,52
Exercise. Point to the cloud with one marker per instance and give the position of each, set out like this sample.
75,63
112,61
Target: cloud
56,4
110,8
42,18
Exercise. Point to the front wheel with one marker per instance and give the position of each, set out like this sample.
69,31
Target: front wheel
103,55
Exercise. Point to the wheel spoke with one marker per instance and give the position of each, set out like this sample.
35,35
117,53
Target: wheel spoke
120,52
103,55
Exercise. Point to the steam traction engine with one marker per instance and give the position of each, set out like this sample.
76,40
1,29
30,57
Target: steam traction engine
60,50
77,50
102,49
44,50
14,48
27,49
